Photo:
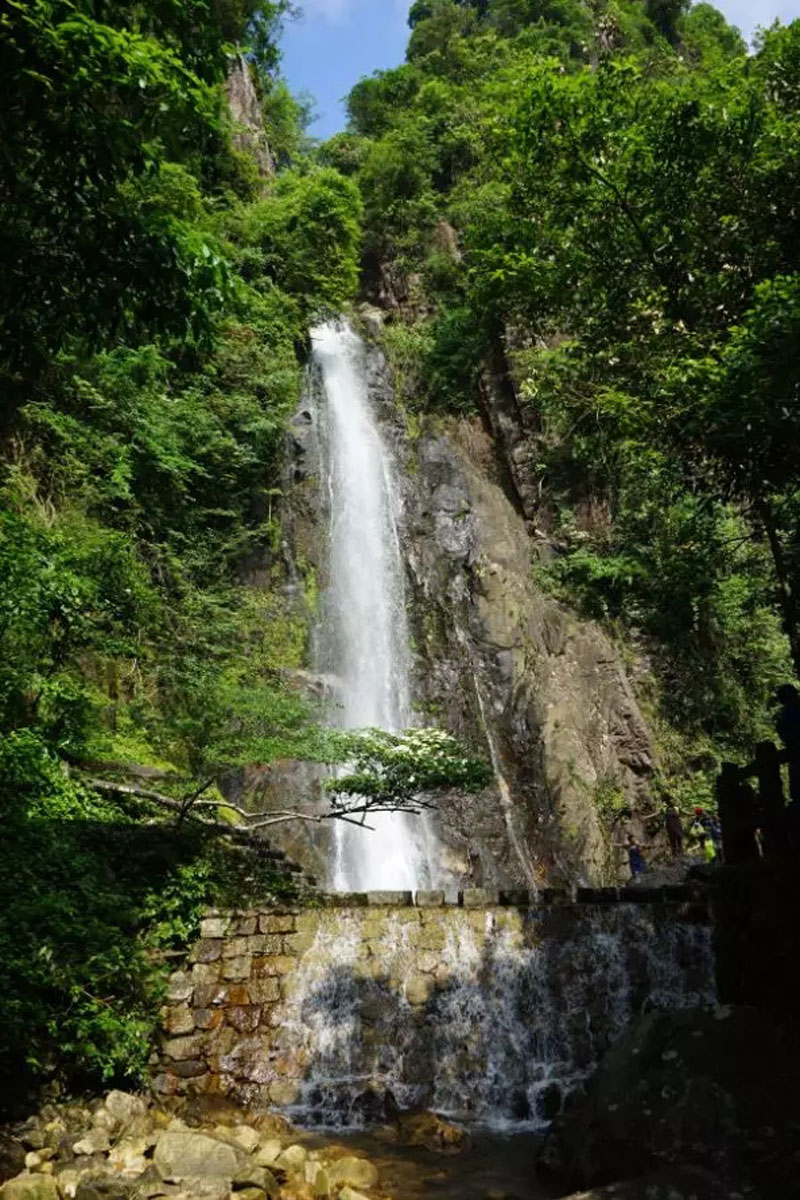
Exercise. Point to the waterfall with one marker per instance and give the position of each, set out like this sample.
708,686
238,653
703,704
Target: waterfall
364,639
490,1017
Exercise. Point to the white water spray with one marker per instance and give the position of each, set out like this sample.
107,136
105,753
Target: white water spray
365,638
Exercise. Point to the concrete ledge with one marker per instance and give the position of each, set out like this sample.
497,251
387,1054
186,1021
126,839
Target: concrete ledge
219,923
597,895
390,899
345,899
477,898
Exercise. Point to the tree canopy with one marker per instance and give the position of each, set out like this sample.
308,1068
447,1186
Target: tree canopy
606,197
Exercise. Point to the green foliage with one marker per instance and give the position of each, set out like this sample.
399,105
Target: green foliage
307,234
89,898
394,770
154,299
621,181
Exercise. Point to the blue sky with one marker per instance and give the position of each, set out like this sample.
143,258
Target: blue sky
336,42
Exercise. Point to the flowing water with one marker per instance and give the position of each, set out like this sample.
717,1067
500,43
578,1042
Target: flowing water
488,1017
508,1011
364,640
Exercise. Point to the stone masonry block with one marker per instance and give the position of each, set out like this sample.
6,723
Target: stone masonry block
277,923
179,987
429,899
237,968
234,947
214,927
265,990
206,950
389,899
205,973
209,995
207,1019
244,1017
178,1019
183,1048
346,900
274,964
298,943
477,898
515,898
191,1068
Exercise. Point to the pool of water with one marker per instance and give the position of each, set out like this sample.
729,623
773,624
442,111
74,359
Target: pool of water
491,1167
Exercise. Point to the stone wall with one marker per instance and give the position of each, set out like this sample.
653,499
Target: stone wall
338,1011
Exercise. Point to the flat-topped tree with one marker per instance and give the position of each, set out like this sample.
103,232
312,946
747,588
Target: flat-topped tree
383,772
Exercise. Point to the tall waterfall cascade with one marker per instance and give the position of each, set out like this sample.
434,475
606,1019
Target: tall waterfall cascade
364,636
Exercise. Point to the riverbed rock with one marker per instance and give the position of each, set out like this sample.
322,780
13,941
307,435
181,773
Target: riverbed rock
96,1141
253,1176
186,1153
292,1159
702,1087
678,1183
125,1107
30,1187
104,1187
353,1172
267,1152
431,1132
12,1156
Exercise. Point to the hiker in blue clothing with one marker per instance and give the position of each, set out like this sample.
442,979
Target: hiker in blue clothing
636,861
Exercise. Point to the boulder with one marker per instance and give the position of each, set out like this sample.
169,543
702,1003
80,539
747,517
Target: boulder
245,1137
129,1153
431,1132
124,1107
96,1141
252,1176
353,1172
67,1182
348,1193
678,1183
267,1153
292,1159
30,1187
103,1187
692,1088
12,1156
321,1183
181,1153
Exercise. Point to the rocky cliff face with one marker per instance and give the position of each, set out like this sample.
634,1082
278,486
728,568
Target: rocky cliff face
497,661
501,662
246,112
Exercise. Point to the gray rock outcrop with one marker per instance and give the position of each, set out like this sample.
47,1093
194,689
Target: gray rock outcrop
711,1088
505,664
245,109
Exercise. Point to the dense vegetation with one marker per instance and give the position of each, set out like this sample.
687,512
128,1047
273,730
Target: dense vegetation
607,194
154,298
604,193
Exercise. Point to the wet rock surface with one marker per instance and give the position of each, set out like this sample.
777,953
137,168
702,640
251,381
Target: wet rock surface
497,661
714,1089
211,1151
501,663
679,1183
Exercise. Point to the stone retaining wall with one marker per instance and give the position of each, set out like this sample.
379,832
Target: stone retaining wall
239,1010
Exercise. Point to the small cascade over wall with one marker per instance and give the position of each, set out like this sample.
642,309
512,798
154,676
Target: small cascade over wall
491,1013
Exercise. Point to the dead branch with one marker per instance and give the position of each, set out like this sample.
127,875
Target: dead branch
255,821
